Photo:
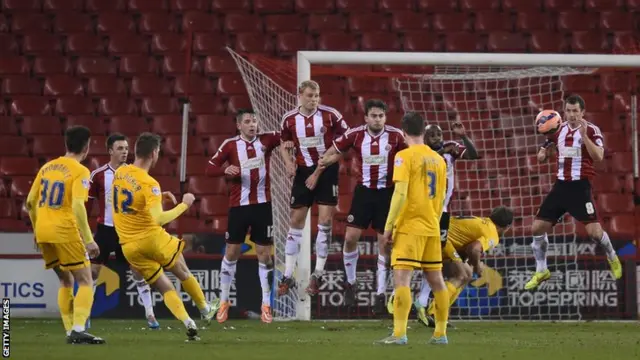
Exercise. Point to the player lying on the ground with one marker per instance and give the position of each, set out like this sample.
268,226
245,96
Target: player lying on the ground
106,236
469,238
413,228
376,145
248,158
311,127
138,218
56,208
578,143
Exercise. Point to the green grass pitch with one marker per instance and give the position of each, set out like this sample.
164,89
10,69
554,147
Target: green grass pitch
249,339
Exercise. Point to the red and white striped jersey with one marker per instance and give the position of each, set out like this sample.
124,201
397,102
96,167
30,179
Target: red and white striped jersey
101,180
456,152
253,157
312,135
574,161
375,153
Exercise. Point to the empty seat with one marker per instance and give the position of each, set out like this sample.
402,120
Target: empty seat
196,165
214,142
63,5
615,203
314,6
95,124
13,65
219,64
363,22
617,21
556,5
99,145
380,41
8,127
20,186
622,227
102,6
30,22
127,43
200,185
231,5
7,209
547,42
573,84
187,5
617,82
70,22
534,21
13,146
240,22
192,84
198,21
49,125
462,42
117,105
114,22
51,65
506,42
215,124
105,85
20,85
76,105
30,105
451,22
22,6
62,84
409,20
18,165
48,145
237,102
288,44
214,205
421,42
576,21
8,45
393,6
204,104
40,44
603,5
254,43
269,7
164,167
147,6
159,105
284,23
166,124
150,23
149,85
320,23
85,44
162,43
589,42
349,6
137,64
95,66
172,145
207,43
128,125
622,162
176,63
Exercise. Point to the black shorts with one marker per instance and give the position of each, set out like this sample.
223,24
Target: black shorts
258,217
107,239
573,197
325,192
369,207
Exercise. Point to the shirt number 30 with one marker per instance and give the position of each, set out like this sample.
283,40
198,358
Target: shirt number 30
431,183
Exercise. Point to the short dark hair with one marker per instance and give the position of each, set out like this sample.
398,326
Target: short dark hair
575,99
374,103
76,138
413,124
146,143
502,216
241,112
113,138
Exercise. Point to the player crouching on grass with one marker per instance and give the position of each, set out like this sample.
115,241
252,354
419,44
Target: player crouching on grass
248,162
470,236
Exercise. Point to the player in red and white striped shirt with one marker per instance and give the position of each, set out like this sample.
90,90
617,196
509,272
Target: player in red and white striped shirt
311,127
106,236
578,144
375,145
248,161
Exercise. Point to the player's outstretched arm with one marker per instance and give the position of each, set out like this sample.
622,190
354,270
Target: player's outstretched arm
164,217
474,252
470,151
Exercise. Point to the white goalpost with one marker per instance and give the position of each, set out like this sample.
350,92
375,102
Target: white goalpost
495,96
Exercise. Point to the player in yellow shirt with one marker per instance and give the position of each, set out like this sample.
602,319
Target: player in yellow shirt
59,219
469,236
138,218
413,227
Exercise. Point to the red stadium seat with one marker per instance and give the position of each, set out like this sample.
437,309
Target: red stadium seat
576,21
51,65
392,6
149,85
169,183
192,84
450,22
98,145
198,21
337,41
20,186
617,142
555,5
176,63
214,142
20,85
421,42
85,44
128,125
615,203
159,105
127,43
239,22
166,124
350,6
205,43
188,5
22,6
117,105
622,162
573,84
196,165
622,227
215,124
95,124
409,20
200,185
547,42
40,44
534,21
617,21
105,85
314,6
231,5
95,66
488,21
380,41
231,84
603,5
4,24
254,43
8,44
362,85
30,105
102,6
461,42
320,23
11,166
70,22
203,104
138,64
618,82
8,127
506,42
49,125
162,43
164,167
7,209
30,23
140,6
46,145
270,7
475,5
364,22
219,64
589,42
13,65
76,105
173,144
237,102
157,22
287,44
56,85
214,205
114,22
63,5
284,23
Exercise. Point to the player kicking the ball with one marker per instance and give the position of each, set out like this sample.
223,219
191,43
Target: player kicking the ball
59,218
311,127
376,145
106,236
248,158
578,144
470,236
413,228
138,218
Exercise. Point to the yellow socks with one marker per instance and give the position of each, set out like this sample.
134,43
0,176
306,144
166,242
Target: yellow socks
82,306
401,309
453,295
175,305
192,287
442,312
65,304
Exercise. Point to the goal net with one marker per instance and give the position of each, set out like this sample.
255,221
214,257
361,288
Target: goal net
497,106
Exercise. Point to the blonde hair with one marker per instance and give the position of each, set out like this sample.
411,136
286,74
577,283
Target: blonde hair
308,84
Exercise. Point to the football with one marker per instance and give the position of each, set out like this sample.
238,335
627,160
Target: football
548,122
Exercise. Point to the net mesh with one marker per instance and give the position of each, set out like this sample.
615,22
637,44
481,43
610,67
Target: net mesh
496,105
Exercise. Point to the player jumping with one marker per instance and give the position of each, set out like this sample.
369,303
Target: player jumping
56,208
248,158
413,228
138,218
312,127
470,236
578,143
106,236
375,145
